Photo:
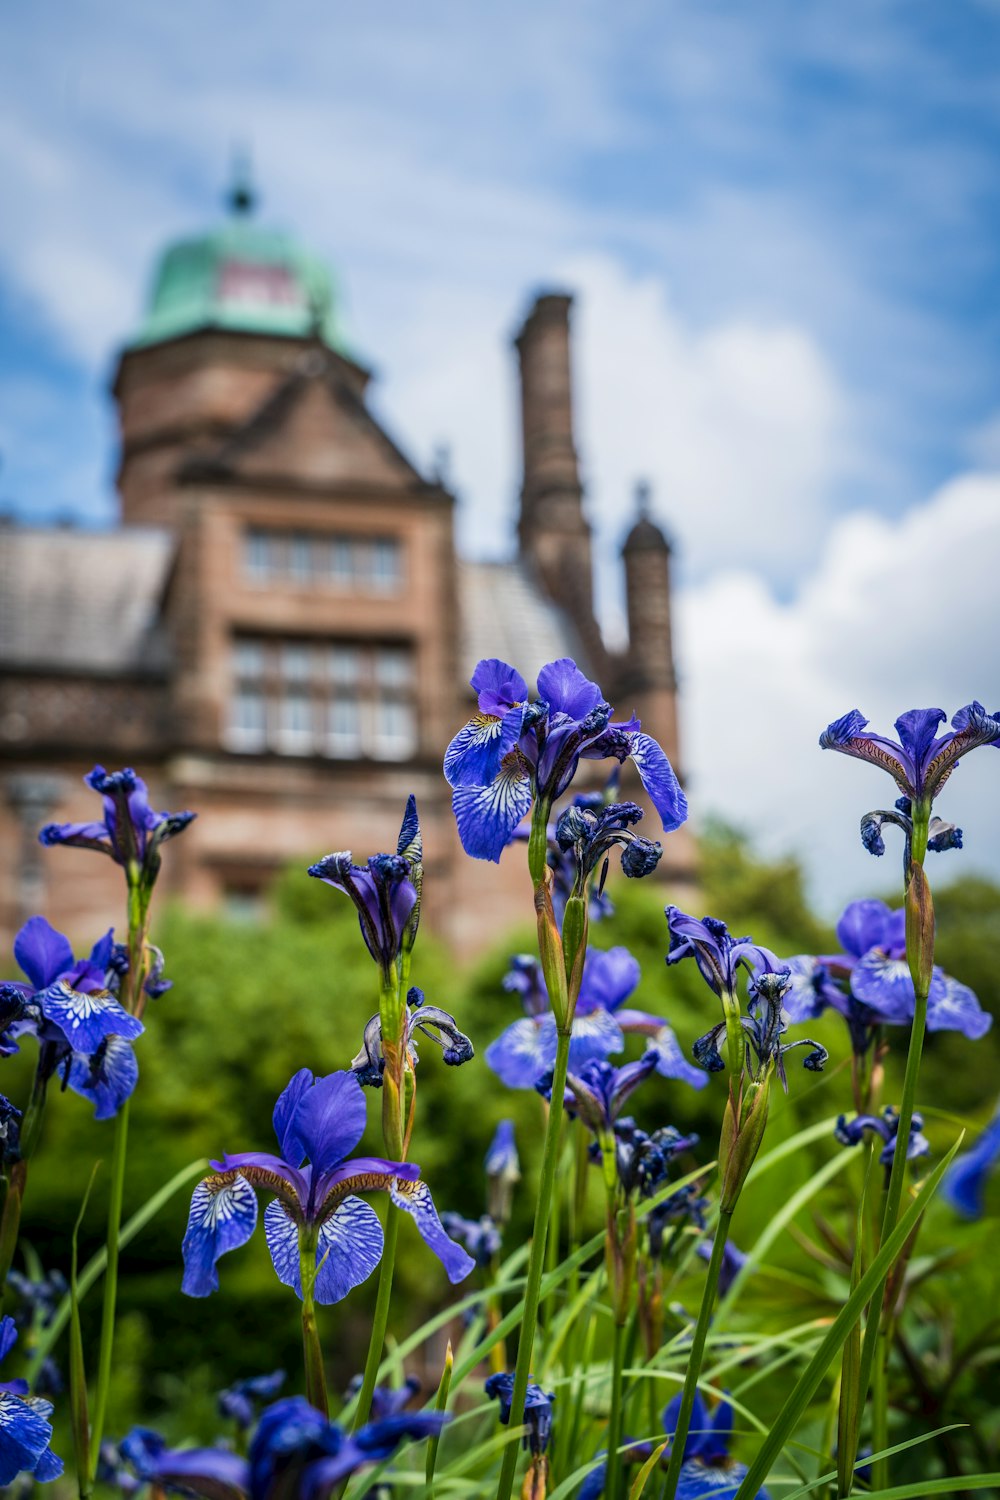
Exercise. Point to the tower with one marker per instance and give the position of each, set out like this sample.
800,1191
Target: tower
553,532
648,678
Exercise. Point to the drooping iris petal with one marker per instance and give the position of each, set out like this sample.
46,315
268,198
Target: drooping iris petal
216,1473
661,1039
964,1183
698,1481
487,815
415,1198
522,1053
25,1435
476,753
86,1019
659,780
283,1117
222,1218
884,984
349,1247
42,953
329,1119
106,1077
954,1007
564,688
598,1034
8,1336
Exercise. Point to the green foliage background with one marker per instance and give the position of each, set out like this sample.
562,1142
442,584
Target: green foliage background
252,1003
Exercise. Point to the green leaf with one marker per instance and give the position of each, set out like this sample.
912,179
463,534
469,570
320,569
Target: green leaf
95,1267
640,1479
810,1379
79,1415
440,1404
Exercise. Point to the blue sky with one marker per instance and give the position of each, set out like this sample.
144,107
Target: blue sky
781,222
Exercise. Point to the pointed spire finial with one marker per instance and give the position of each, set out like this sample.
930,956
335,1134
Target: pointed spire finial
643,498
241,197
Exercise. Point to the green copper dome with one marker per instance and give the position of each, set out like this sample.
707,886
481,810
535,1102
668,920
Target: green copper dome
244,277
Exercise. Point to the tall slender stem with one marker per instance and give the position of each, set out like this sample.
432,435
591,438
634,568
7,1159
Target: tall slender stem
612,1486
536,1261
312,1352
697,1354
381,1317
110,1283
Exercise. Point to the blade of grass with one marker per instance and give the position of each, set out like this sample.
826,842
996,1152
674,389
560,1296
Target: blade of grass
810,1379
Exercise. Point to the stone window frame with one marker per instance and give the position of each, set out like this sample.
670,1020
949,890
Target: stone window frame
343,562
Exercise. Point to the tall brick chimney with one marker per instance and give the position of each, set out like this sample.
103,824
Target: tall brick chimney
649,676
553,532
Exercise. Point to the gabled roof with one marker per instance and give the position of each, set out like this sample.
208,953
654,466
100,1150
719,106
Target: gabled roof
313,429
83,601
503,613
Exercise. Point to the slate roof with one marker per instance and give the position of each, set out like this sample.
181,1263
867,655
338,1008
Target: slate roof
503,613
83,601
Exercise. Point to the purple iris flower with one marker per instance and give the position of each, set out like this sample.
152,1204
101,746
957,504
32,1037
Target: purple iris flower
642,1160
537,1410
707,1470
84,1033
130,831
733,1261
527,1049
964,1183
852,1133
589,833
385,891
503,1171
597,1094
25,1426
512,752
241,1402
387,1401
719,956
295,1452
321,1119
763,1028
429,1021
869,983
481,1237
921,761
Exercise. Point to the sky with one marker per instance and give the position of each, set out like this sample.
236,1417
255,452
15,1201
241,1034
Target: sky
780,225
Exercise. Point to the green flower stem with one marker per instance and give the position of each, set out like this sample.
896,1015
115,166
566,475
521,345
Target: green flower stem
393,1017
139,895
697,1354
550,1153
110,1283
613,1484
875,1350
312,1352
381,1317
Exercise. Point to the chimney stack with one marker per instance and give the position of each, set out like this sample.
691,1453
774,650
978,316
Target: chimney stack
649,677
552,529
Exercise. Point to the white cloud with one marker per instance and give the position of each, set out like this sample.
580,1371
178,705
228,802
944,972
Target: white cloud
898,615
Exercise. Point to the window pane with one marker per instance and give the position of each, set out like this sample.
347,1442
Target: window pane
301,555
385,564
342,561
248,659
345,665
343,737
247,729
393,669
295,729
295,663
261,554
395,730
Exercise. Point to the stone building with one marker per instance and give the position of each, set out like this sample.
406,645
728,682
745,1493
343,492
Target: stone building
279,634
